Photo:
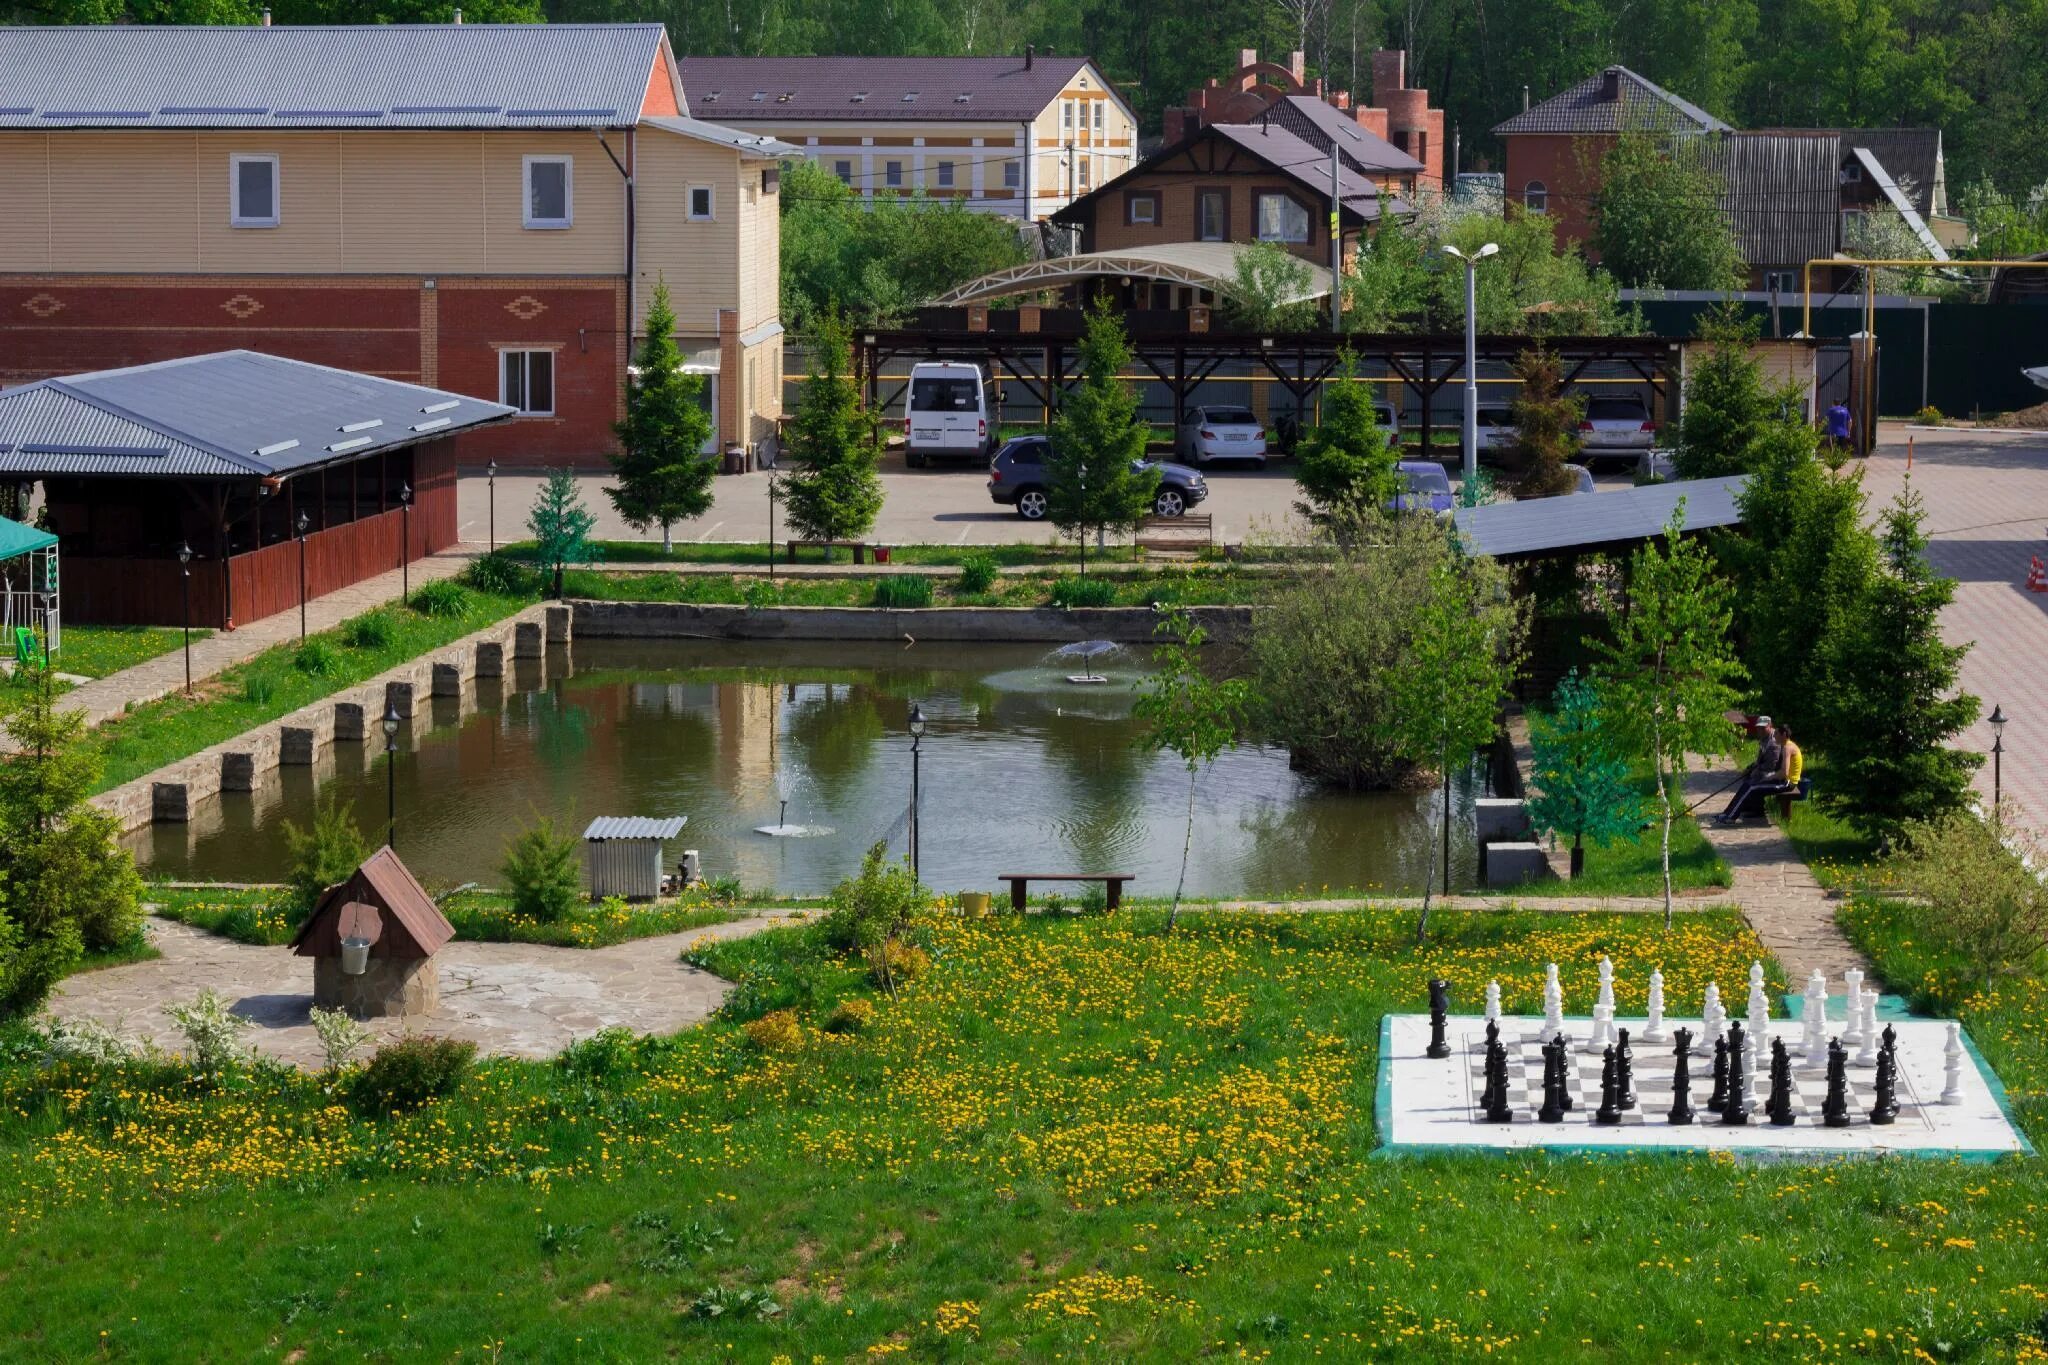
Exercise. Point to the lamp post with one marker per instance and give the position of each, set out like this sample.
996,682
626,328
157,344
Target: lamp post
391,774
1471,352
404,541
491,473
916,741
1997,762
185,570
301,528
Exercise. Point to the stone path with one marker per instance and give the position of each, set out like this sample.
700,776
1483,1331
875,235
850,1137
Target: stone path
510,999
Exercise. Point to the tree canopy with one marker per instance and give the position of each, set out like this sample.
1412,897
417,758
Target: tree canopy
1093,482
1657,219
834,492
664,474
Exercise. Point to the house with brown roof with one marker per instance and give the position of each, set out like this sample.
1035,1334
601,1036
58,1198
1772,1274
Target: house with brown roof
1017,135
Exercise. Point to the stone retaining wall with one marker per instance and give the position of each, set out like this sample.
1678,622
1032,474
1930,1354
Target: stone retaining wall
980,625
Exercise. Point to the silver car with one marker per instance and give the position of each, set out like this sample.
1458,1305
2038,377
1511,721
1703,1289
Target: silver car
1618,425
1497,430
1221,432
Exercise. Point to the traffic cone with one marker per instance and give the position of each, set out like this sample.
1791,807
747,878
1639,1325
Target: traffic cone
2037,576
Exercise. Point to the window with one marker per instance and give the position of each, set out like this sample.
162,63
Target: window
844,170
1100,105
1280,218
252,183
1141,210
1013,174
892,175
1067,115
548,191
1083,164
1535,197
526,381
1781,281
700,203
945,175
1212,216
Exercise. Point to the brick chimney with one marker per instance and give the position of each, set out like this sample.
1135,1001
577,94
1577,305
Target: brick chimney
1610,85
1030,54
1297,67
1247,56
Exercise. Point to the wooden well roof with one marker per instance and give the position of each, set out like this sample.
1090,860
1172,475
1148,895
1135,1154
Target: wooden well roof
408,923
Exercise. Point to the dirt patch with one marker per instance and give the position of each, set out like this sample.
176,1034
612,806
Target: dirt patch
2035,418
601,1290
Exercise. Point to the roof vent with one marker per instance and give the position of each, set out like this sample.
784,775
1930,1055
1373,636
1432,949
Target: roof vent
910,98
711,98
266,16
759,96
861,97
963,97
1030,54
785,97
458,14
1610,84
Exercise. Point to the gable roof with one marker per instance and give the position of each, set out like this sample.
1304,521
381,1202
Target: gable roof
874,89
1320,125
412,925
1912,156
1635,103
1781,193
365,76
232,414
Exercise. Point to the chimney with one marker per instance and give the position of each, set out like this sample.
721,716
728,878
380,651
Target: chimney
266,16
1030,54
458,14
1525,99
1297,67
1610,85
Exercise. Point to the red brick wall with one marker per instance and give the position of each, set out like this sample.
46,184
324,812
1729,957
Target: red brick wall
1568,166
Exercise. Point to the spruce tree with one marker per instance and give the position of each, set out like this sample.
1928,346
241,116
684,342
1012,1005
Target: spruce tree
1583,789
560,525
833,493
1729,409
1093,481
1546,425
1344,464
664,475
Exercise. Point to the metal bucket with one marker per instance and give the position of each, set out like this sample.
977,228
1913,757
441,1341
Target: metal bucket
973,903
355,956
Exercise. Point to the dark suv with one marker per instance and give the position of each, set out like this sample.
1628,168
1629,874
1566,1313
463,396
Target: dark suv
1016,478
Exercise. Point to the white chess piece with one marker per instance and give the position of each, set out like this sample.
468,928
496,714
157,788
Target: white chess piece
1553,1005
1653,1029
1815,1016
1607,985
1603,1025
1952,1065
1493,1002
1710,1020
1852,1032
1758,1043
1867,1054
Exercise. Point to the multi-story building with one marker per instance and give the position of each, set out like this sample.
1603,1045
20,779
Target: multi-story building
479,208
1022,136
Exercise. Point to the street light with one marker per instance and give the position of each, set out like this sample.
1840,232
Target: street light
404,541
491,472
185,569
1471,352
302,525
391,774
1997,761
916,741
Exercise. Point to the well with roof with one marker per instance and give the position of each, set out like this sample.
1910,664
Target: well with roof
372,940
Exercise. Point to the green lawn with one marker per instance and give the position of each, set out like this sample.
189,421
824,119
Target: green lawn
97,651
1194,585
1053,552
1635,867
1071,1139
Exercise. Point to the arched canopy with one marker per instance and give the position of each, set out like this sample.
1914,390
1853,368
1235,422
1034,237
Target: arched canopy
1199,265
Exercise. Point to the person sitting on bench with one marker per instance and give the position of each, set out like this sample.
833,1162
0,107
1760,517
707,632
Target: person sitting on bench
1763,771
1782,783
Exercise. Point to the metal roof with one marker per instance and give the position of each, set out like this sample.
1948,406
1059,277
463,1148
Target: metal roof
1588,521
1320,124
1913,158
1291,156
1588,108
371,76
1898,199
749,144
878,89
635,827
226,415
1781,193
1205,265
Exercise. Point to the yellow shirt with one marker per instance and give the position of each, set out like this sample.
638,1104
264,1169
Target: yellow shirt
1795,762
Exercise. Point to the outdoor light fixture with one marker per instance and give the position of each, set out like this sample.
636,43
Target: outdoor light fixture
404,541
185,574
916,722
302,525
491,473
391,774
1997,762
1471,463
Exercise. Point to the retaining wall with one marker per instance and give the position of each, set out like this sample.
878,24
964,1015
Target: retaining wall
979,625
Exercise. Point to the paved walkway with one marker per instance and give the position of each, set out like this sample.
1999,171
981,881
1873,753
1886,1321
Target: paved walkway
510,999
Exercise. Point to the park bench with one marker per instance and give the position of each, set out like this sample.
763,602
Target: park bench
1113,881
859,548
1183,533
1753,808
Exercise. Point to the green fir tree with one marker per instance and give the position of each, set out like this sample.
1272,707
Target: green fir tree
1344,463
1582,784
1094,483
560,525
833,491
1729,409
1546,425
664,475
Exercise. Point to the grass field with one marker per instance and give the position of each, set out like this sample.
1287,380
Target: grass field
97,651
1200,585
1076,1139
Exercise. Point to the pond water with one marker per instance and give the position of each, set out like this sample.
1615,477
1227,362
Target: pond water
1021,770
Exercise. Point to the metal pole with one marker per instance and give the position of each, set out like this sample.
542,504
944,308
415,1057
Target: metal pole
1447,824
1471,387
186,569
391,791
493,475
916,742
302,587
1997,778
1336,245
404,551
773,488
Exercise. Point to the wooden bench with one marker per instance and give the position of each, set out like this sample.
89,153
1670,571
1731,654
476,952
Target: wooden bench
1186,532
1114,881
859,548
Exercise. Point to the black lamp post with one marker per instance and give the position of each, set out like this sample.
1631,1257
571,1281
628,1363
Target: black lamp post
302,525
1997,762
391,774
916,742
185,569
491,473
404,541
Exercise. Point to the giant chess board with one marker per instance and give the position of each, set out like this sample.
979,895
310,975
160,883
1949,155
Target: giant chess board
1428,1103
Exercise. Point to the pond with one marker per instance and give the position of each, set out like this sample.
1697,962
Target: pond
1021,770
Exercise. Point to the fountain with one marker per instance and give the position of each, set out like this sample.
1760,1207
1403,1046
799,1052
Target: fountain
782,829
1087,651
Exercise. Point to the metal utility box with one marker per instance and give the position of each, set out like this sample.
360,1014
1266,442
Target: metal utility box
622,854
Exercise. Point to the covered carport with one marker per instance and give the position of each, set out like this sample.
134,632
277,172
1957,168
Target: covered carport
1206,266
1596,523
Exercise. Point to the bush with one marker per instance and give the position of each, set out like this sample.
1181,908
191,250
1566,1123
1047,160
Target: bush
1930,416
908,591
871,911
896,962
371,630
325,855
211,1030
499,574
258,687
543,873
977,572
316,658
601,1056
1071,591
761,593
851,1016
410,1072
339,1036
777,1031
443,597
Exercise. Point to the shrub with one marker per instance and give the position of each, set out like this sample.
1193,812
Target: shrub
1985,901
410,1072
211,1031
326,854
776,1031
1071,591
498,573
371,630
258,687
895,962
873,906
1930,416
443,597
907,591
339,1036
604,1054
851,1016
761,593
542,871
84,1040
724,890
316,658
977,572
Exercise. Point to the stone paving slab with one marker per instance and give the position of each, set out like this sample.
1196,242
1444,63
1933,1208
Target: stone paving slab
510,999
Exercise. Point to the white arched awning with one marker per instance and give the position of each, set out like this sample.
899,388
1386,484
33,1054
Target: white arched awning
1199,265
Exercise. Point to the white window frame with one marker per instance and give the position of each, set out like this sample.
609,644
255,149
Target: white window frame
1536,197
1013,173
945,169
893,175
1100,106
568,219
710,214
1067,115
554,378
235,218
1308,219
1784,281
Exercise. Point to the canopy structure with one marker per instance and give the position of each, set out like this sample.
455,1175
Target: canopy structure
17,540
28,591
1590,522
1201,265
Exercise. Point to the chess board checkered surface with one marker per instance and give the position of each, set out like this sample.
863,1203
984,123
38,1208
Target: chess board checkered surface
1427,1103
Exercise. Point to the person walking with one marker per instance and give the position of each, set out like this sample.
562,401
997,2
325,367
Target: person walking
1836,428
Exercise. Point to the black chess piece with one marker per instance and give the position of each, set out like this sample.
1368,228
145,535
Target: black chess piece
1718,1100
1681,1078
1834,1110
1625,1071
1609,1112
1492,1032
1735,1113
1499,1111
1439,1007
1553,1083
1779,1105
1886,1110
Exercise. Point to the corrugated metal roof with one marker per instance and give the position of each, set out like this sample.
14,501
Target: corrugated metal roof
1781,193
751,144
635,827
371,76
1514,530
1636,103
1206,265
1899,200
1319,124
872,89
226,415
1912,156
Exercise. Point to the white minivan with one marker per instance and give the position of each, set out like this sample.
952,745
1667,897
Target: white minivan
946,413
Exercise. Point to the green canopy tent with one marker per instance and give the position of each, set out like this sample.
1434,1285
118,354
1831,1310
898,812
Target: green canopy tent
28,591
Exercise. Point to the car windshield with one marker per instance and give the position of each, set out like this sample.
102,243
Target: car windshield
1616,410
1229,417
944,395
1383,414
1495,417
1427,480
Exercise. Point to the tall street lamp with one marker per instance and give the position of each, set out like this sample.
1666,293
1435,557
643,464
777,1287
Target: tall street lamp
391,774
185,569
491,473
302,525
1471,352
1997,761
916,741
404,541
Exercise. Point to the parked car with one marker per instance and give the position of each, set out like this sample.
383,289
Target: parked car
1497,430
1220,432
1616,426
1016,478
1427,487
1582,479
946,413
1389,419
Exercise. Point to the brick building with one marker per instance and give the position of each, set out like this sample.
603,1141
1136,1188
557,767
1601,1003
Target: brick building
481,208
